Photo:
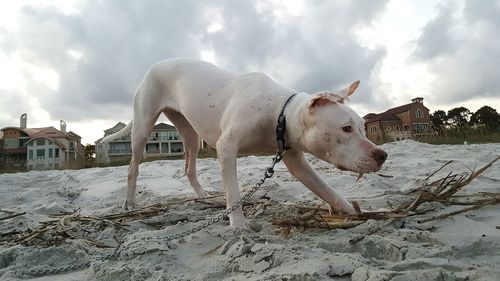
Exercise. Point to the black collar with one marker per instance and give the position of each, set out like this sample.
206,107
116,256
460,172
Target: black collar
281,127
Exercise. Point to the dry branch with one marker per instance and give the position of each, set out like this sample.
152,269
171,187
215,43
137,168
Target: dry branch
442,190
12,216
474,207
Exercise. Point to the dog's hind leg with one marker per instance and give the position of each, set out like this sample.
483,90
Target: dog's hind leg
191,148
140,132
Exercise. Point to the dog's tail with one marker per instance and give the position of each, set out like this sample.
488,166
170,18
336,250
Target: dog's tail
120,133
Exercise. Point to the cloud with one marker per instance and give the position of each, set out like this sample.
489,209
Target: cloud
313,52
460,46
101,52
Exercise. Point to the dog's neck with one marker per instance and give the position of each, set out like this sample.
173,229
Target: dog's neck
295,125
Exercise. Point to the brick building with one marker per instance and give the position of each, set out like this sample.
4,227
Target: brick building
403,122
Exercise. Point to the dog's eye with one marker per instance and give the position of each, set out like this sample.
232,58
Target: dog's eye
347,129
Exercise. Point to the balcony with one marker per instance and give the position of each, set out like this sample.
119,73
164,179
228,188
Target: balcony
152,151
119,152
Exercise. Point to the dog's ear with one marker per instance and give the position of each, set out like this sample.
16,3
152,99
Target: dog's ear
349,91
324,98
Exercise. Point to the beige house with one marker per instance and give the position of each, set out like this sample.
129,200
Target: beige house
41,148
163,141
402,122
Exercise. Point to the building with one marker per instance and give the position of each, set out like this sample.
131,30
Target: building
40,148
163,141
407,121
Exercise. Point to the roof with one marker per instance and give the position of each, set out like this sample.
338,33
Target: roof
381,117
390,114
49,132
117,127
163,126
29,131
52,134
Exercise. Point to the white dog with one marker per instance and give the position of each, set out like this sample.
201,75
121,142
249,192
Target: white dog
238,113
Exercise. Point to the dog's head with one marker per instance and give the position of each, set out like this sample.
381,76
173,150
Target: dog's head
335,133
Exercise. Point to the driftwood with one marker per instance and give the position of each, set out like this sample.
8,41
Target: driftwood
64,225
13,215
68,225
442,190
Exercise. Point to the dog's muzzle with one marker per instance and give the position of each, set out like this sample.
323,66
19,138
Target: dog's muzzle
379,156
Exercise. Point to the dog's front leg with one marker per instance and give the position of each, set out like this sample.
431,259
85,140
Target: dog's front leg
227,152
298,166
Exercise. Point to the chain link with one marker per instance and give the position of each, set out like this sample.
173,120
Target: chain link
269,172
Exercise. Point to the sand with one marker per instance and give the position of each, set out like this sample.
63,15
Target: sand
462,247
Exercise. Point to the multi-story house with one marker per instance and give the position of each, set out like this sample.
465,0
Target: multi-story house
164,140
41,148
407,121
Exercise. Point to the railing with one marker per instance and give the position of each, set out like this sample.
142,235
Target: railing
119,151
152,151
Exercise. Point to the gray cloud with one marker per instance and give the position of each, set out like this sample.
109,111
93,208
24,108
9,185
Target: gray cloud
119,40
319,47
437,38
461,50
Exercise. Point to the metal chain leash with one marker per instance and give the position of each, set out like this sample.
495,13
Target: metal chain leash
269,172
48,271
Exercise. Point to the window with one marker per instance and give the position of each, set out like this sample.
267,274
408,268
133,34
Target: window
50,153
30,154
30,144
11,143
120,148
51,142
419,114
40,153
153,136
163,136
56,153
173,135
40,142
176,147
164,147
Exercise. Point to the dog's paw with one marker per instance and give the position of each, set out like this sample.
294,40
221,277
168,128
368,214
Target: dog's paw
241,230
201,194
238,223
128,206
380,210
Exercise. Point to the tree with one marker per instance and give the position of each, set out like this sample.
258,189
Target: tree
89,152
438,120
487,117
459,117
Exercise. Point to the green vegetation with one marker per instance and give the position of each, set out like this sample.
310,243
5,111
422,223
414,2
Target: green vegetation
460,125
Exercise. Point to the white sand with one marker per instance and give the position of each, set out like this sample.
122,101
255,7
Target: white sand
463,247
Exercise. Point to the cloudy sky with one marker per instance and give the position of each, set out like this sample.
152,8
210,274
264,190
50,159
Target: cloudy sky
81,61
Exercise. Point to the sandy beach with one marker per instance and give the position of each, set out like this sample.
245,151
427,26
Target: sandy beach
461,247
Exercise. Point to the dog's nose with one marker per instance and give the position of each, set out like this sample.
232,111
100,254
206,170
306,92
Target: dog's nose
379,155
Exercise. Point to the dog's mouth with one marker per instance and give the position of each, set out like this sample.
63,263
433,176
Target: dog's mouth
342,168
359,169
